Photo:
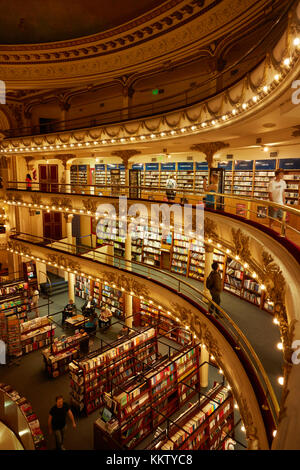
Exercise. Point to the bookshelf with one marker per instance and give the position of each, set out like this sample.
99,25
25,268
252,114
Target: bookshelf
100,175
144,403
29,269
109,367
62,351
197,260
165,325
11,289
16,305
82,287
234,275
80,175
204,426
151,175
166,170
243,178
185,176
201,171
114,300
152,247
14,421
36,334
180,254
264,173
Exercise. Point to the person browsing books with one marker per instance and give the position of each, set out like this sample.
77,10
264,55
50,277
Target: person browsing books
276,191
57,421
69,310
105,318
214,285
89,306
170,188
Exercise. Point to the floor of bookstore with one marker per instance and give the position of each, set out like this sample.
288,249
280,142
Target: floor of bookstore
29,376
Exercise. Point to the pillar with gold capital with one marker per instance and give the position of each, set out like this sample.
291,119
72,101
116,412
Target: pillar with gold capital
209,253
71,276
128,297
125,156
204,359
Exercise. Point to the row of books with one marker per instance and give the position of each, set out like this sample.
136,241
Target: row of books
31,417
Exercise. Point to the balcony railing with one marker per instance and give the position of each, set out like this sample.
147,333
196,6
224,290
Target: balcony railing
250,209
235,337
205,91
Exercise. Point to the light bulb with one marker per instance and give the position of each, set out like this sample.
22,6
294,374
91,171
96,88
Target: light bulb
275,321
244,105
280,380
243,428
296,41
280,346
234,111
277,77
254,99
266,148
287,62
274,433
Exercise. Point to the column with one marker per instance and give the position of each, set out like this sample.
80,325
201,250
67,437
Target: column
128,297
70,276
64,107
204,357
68,178
207,267
128,92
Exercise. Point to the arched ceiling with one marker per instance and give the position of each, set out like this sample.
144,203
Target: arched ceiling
35,21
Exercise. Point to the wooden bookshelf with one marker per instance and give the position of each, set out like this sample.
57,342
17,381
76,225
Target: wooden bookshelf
14,422
61,352
204,426
144,403
36,334
105,370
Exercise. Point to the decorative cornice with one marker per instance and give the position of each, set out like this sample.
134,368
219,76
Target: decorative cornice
183,25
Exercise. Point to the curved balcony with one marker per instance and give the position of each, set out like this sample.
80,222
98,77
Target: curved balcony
198,111
230,347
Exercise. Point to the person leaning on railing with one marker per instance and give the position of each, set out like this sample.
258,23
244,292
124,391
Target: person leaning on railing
276,191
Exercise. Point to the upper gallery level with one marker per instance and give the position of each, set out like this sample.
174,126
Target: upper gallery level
243,64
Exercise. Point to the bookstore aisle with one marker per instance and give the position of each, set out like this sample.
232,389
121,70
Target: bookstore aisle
28,376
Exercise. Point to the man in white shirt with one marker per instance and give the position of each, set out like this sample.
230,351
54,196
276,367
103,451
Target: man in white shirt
276,191
171,186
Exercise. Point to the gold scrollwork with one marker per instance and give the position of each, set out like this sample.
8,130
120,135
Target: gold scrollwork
241,244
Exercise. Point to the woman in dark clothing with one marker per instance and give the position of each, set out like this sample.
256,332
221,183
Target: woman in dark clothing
28,182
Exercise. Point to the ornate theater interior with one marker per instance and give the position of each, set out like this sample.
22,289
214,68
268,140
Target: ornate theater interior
149,225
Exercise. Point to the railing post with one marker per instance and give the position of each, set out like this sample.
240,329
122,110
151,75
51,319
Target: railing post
248,210
283,224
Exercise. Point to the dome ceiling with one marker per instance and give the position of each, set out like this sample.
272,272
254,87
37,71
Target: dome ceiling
36,21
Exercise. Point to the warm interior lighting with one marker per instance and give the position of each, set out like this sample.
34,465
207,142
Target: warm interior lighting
280,346
280,380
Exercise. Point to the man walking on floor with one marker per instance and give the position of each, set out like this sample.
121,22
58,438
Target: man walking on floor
57,421
214,285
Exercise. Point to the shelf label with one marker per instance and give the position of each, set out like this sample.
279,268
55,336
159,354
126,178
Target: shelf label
265,164
185,166
202,166
225,165
138,166
290,164
152,166
168,166
99,167
82,167
121,166
243,165
112,166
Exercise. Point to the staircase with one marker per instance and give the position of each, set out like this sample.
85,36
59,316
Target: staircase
58,286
